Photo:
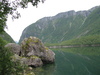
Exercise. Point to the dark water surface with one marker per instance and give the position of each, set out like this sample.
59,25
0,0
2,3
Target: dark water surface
73,61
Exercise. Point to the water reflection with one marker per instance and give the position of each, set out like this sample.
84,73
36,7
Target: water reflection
73,61
45,70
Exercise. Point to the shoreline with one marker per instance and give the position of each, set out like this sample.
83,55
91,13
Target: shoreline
71,46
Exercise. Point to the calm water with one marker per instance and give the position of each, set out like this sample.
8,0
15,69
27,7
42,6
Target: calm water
73,61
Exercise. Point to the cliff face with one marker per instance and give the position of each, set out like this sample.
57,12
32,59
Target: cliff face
64,26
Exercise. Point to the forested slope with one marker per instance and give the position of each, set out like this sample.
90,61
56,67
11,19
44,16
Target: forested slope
65,26
7,37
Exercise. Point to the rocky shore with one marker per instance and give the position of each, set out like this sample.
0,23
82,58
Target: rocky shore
31,52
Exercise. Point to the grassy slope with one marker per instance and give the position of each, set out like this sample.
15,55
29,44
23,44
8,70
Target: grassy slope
84,40
92,24
88,33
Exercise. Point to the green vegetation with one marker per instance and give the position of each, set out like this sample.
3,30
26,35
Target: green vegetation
10,7
81,28
84,40
28,41
91,25
54,31
82,50
7,66
7,37
87,33
2,42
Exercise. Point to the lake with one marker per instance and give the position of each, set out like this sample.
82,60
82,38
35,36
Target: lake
73,61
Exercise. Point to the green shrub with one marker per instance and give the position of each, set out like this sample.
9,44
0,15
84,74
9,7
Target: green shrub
7,66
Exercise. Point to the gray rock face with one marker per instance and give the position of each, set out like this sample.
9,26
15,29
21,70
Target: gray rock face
33,46
48,56
33,61
32,52
15,48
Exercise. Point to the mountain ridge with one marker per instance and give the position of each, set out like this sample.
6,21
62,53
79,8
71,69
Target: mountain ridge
61,27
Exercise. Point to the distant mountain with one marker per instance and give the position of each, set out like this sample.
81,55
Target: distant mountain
7,37
65,26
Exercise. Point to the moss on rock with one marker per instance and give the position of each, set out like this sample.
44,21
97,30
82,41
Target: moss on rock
33,48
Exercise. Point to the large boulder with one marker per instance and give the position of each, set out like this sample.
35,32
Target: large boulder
32,52
15,48
33,61
33,46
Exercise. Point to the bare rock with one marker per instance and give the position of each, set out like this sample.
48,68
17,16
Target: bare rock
33,46
32,52
15,48
48,56
33,61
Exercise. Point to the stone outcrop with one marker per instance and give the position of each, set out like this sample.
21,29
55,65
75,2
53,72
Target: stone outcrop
33,46
33,61
32,52
15,48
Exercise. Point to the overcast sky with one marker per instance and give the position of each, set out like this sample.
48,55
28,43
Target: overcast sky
48,8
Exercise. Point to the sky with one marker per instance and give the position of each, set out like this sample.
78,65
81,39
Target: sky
46,9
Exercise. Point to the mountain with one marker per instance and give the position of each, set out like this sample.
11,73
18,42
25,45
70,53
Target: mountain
7,37
65,26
